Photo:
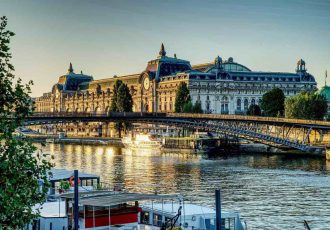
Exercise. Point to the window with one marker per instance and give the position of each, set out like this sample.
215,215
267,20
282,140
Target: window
145,217
157,220
239,104
207,106
253,101
210,224
246,104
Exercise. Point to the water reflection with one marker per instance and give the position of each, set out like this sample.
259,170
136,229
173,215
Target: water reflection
270,192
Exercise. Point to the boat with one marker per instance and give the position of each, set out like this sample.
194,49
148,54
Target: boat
100,208
50,140
142,141
135,211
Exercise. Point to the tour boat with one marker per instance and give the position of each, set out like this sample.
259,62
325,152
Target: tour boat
142,141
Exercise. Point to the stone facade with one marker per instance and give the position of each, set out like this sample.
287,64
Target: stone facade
225,87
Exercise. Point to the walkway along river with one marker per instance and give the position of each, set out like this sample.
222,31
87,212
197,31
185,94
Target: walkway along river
270,192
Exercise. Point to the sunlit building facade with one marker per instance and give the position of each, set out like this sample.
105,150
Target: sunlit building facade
223,86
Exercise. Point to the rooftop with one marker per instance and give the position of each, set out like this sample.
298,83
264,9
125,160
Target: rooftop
108,198
63,174
325,90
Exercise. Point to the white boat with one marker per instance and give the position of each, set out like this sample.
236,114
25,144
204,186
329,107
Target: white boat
153,216
132,211
50,140
142,141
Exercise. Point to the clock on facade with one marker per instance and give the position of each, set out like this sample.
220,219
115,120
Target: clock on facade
146,83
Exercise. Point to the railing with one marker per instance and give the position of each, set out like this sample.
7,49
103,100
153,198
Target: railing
248,118
183,115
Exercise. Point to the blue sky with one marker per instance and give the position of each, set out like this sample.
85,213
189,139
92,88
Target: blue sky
104,38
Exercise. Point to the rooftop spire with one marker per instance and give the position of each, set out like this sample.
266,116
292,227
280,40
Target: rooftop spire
162,51
70,68
325,78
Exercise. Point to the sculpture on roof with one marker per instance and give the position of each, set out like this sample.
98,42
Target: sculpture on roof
70,70
218,62
162,51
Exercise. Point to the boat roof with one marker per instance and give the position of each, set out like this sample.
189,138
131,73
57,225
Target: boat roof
188,209
109,198
63,174
51,209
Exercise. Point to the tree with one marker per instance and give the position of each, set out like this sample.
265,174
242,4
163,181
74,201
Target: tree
182,97
121,101
306,105
22,167
197,108
272,103
188,107
254,110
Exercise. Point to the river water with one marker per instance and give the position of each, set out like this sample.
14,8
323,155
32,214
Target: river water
270,192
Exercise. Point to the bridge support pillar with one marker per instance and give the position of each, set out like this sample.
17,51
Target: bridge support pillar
327,154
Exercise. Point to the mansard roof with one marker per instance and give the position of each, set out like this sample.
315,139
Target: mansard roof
71,80
325,90
164,65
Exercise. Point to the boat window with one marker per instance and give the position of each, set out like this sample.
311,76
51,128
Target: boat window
145,217
210,224
157,220
226,224
229,223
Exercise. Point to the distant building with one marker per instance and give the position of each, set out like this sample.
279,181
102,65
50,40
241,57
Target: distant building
223,86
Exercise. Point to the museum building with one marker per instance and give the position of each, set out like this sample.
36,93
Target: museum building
223,86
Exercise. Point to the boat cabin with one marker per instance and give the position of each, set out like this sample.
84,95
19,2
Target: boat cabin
86,181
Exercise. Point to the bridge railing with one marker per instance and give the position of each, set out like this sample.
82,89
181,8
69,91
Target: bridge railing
97,114
249,118
184,115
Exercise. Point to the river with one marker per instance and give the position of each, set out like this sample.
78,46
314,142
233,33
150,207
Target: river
270,192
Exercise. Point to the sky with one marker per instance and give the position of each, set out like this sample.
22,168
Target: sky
106,38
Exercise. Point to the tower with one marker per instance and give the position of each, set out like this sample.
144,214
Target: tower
301,66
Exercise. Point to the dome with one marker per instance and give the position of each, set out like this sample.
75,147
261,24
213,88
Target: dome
301,62
325,90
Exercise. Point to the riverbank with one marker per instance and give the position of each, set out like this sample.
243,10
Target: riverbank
117,142
239,149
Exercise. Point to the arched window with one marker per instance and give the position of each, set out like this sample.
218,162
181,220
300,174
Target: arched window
253,101
246,104
239,104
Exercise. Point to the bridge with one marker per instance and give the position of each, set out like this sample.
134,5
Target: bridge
305,135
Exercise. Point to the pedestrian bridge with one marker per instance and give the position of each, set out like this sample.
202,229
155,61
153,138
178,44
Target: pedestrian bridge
305,135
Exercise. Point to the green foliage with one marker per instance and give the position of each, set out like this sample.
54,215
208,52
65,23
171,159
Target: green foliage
306,105
182,97
22,167
254,110
188,107
65,185
197,108
98,186
272,103
121,101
